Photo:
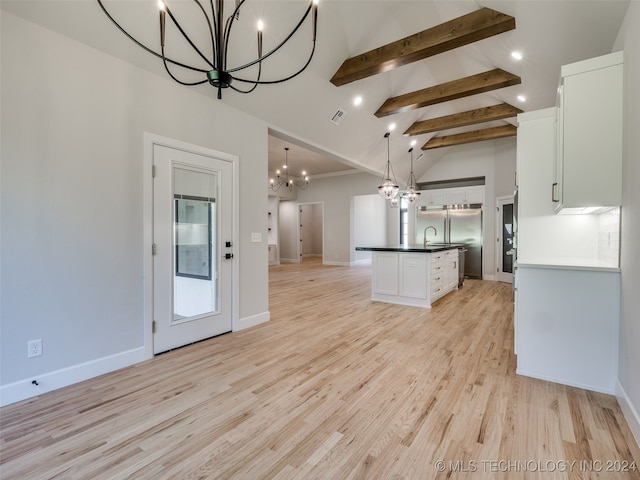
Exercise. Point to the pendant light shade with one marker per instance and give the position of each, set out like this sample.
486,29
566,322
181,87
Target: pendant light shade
411,194
388,188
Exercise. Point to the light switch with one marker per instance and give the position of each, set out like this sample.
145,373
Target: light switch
256,237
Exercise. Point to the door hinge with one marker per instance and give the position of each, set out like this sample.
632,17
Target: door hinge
153,327
153,249
153,171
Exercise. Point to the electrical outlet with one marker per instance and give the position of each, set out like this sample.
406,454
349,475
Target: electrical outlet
34,348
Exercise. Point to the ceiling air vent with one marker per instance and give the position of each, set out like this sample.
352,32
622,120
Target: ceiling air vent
337,117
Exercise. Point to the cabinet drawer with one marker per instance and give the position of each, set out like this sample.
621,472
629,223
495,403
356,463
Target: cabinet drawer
437,269
437,257
436,292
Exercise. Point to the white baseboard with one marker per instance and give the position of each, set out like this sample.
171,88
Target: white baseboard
629,410
561,381
363,261
23,389
337,264
289,260
252,321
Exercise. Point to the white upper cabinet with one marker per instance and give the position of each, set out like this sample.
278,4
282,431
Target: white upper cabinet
536,156
454,196
589,155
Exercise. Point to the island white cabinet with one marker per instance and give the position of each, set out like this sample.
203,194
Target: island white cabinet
413,278
590,115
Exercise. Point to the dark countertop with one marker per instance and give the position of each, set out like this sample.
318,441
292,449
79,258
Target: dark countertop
434,247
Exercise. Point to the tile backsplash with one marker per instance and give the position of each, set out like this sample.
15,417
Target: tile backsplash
609,237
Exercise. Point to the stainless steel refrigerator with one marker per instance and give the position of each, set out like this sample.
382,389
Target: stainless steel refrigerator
454,224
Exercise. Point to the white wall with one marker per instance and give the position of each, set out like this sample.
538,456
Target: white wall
496,161
336,193
629,360
369,223
72,251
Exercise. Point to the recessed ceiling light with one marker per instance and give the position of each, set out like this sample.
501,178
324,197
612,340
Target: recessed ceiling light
392,127
413,142
516,55
357,100
522,98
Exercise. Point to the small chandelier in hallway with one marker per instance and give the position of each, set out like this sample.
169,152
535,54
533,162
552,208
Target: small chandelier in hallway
285,180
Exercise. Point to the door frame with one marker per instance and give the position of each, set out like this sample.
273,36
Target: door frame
150,140
299,228
500,202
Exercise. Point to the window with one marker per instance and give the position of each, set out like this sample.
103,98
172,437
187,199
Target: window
404,222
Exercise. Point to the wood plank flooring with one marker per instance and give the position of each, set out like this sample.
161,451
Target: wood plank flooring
333,387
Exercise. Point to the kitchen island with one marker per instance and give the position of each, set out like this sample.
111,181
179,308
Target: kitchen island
414,275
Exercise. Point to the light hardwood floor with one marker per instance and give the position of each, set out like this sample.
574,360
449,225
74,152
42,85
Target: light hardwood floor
334,387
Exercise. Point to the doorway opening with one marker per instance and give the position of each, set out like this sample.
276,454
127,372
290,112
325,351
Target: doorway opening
311,232
504,235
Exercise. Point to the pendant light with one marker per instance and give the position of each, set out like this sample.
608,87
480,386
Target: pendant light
388,188
411,194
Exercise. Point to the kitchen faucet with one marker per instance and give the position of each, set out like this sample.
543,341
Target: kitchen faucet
435,232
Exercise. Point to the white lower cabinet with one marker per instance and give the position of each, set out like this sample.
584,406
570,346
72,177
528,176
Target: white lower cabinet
416,279
567,325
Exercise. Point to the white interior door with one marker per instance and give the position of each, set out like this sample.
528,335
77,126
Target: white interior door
504,230
193,245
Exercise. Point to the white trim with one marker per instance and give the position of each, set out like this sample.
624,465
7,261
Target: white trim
593,388
252,321
23,389
362,261
337,264
630,412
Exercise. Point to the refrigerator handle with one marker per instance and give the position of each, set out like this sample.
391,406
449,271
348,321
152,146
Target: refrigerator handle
444,230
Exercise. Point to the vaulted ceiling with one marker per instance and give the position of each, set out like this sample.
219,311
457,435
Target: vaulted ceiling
442,71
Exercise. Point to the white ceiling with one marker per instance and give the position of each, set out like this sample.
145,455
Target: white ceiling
549,33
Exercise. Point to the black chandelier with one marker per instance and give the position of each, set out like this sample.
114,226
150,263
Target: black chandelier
286,181
215,66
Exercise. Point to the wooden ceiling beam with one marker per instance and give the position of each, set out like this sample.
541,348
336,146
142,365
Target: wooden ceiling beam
462,87
483,23
470,117
470,137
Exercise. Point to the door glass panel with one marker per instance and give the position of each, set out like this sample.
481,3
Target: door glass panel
195,285
507,238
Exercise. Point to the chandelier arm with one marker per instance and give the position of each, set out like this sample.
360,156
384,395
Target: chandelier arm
209,23
143,46
184,34
272,82
255,83
166,67
227,32
267,55
215,31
